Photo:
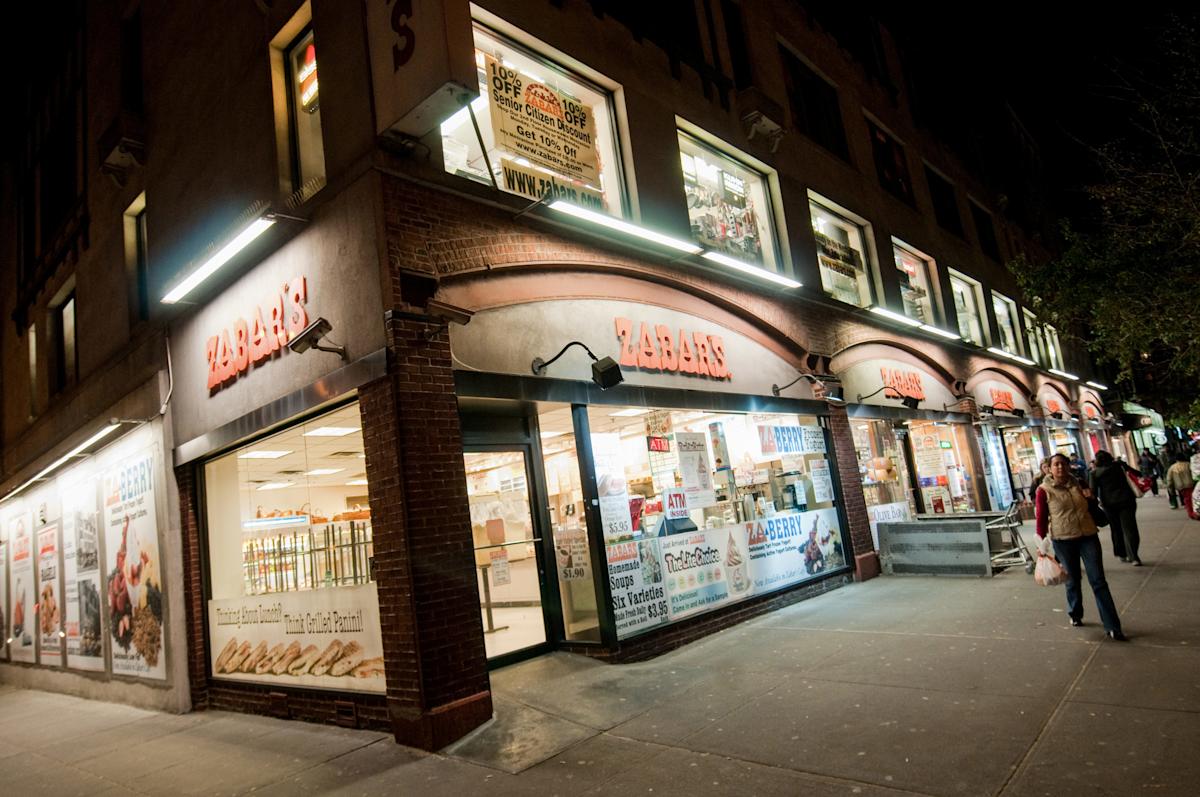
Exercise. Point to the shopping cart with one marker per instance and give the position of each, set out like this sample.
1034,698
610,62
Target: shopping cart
1004,540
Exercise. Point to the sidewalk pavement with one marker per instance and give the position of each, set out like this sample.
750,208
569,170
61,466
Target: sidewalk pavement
901,685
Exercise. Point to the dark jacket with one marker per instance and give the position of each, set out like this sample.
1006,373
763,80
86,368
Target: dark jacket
1149,465
1111,486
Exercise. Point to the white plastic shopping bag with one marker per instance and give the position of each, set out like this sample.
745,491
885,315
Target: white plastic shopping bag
1048,572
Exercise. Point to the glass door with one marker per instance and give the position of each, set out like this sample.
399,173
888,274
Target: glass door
508,551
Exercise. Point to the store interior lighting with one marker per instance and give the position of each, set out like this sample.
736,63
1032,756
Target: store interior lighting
761,273
332,431
77,451
222,256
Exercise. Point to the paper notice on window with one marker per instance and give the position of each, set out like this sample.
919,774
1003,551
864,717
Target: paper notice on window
501,575
612,491
696,469
822,481
541,124
572,555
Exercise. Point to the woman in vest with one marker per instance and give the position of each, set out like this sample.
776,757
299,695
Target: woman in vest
1062,512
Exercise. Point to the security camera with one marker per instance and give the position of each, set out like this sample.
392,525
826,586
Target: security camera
310,338
448,312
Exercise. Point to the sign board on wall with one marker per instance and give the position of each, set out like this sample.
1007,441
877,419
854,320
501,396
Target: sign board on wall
23,618
82,593
231,351
898,378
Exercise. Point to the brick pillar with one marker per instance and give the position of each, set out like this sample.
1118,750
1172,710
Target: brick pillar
866,560
193,585
434,656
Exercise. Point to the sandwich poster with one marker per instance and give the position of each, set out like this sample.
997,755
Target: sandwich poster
321,638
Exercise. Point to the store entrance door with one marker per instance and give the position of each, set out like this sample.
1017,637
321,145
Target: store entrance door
508,536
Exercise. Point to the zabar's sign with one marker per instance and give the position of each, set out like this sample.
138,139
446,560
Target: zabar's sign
902,384
1002,400
1053,405
1090,412
244,343
657,347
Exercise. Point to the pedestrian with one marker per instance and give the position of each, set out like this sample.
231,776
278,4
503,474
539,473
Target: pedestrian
1043,472
1078,468
1179,478
1148,464
1062,513
1110,483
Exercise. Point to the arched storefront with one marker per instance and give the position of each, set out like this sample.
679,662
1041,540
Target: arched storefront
1010,438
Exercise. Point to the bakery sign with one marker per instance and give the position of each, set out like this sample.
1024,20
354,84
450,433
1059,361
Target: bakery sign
902,384
248,341
663,348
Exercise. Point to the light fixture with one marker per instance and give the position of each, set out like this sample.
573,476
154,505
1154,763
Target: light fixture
908,401
223,255
1075,416
65,458
622,226
263,454
356,482
629,413
761,273
893,316
1096,385
830,394
310,338
275,485
1063,374
605,371
939,331
1017,411
332,431
323,471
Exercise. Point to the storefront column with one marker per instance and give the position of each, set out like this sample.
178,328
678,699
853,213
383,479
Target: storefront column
434,658
866,559
193,585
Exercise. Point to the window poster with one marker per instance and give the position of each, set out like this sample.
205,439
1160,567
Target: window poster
635,579
133,571
319,638
696,469
694,567
49,612
22,600
537,122
822,481
81,577
611,487
3,600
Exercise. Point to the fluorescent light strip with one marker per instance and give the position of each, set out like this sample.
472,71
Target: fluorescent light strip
629,413
1096,385
332,431
939,331
223,256
356,482
897,317
263,454
275,485
761,273
1023,360
604,220
323,471
1063,374
551,435
74,452
275,522
1011,356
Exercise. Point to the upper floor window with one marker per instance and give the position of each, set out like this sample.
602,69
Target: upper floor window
967,302
304,104
32,351
986,231
890,163
915,282
541,130
814,104
841,252
66,360
1033,336
1006,322
945,202
729,204
1053,350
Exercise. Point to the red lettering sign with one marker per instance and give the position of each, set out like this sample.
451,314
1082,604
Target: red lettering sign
1002,399
1090,411
658,347
660,445
902,384
231,351
1053,405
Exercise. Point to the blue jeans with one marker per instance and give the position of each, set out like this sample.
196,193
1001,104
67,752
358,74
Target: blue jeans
1068,553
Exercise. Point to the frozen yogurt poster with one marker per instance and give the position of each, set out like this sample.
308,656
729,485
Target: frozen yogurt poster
694,568
22,620
81,577
133,599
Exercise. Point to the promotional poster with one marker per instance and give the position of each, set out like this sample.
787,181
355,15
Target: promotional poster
81,577
50,622
22,613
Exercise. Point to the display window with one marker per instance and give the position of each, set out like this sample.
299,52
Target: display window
841,253
701,509
305,106
1053,350
290,559
542,130
883,470
966,307
995,469
914,278
1063,441
942,460
1006,322
729,204
1025,454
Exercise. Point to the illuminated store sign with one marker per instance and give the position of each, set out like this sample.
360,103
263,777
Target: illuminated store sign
234,349
657,347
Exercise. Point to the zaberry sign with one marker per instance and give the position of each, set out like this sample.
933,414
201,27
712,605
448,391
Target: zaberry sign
271,325
657,347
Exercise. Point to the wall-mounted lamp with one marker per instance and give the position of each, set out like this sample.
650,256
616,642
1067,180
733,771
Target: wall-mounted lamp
1017,411
907,401
1075,416
310,338
605,371
831,394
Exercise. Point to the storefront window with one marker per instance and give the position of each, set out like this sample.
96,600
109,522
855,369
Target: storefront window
1063,441
1025,455
841,254
883,469
914,283
543,130
305,109
290,556
701,509
995,468
1053,352
942,458
966,306
1006,322
728,204
1033,335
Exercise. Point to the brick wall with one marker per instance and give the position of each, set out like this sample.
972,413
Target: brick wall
866,560
193,585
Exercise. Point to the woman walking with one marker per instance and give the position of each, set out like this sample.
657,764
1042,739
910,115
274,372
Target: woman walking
1179,479
1110,483
1062,513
